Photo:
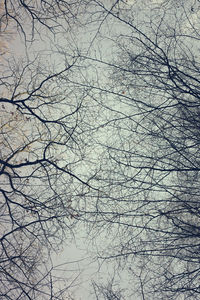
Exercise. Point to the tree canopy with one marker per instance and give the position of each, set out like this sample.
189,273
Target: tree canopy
100,133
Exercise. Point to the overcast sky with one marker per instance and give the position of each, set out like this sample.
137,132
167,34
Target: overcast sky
81,265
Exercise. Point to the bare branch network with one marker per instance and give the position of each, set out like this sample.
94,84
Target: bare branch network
99,135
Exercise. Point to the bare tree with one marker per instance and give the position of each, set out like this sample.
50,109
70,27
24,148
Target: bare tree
29,17
106,292
42,148
44,135
110,138
149,175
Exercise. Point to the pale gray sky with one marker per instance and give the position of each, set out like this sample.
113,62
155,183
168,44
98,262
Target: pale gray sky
80,264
